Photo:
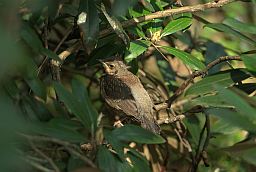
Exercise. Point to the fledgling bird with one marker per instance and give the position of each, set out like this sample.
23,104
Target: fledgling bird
123,91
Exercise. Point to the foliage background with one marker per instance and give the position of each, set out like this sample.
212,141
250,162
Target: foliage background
52,115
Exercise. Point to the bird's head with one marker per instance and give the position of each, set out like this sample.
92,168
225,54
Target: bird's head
114,66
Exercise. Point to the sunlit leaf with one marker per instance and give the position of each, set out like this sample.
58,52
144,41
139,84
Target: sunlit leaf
240,104
233,118
224,78
240,26
176,25
186,58
210,101
227,29
136,48
250,62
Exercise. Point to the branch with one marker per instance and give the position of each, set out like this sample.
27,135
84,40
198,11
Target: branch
159,14
73,149
50,161
169,12
201,153
55,65
195,74
37,165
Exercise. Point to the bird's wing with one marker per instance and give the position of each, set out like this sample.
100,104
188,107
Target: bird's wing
118,95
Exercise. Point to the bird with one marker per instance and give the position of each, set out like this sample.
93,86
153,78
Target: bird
123,91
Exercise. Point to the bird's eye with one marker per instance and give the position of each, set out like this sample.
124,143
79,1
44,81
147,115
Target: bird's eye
111,65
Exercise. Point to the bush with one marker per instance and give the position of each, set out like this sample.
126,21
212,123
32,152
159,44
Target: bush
197,64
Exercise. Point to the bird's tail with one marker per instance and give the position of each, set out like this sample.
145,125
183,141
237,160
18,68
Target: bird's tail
150,124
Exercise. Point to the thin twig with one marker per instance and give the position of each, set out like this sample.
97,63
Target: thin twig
45,38
51,162
198,150
207,140
201,152
55,65
63,39
171,120
37,165
166,58
70,147
55,50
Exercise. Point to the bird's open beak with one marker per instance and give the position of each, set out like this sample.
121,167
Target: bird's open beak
106,68
103,64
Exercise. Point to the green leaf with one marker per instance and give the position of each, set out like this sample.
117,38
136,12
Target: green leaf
37,87
32,40
117,145
74,106
240,26
139,12
193,125
245,150
249,156
50,54
223,127
65,123
233,118
120,7
250,62
176,25
213,51
186,58
81,94
116,26
137,31
56,130
227,29
210,101
88,20
224,78
136,48
239,148
240,104
31,78
148,6
139,162
137,134
154,28
108,162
